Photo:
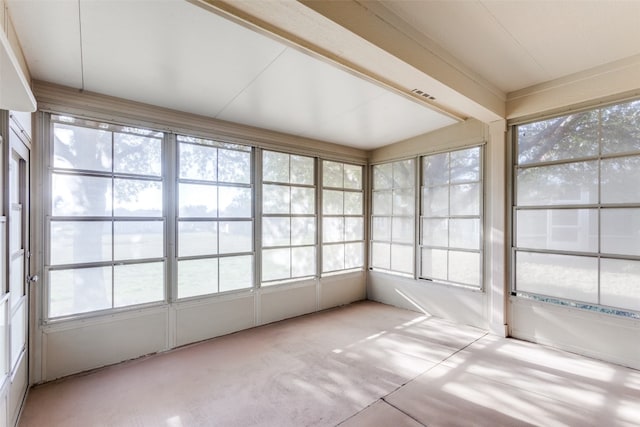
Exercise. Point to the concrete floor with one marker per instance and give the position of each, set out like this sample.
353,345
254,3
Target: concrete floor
366,364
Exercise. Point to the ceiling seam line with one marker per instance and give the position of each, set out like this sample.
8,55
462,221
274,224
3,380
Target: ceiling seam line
81,50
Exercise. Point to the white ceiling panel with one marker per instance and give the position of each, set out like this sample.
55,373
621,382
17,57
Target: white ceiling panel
50,38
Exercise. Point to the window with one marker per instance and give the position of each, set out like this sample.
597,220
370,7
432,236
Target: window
576,221
451,217
393,217
215,217
106,220
343,217
288,217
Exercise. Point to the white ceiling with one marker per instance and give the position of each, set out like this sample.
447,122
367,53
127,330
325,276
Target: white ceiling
515,44
173,54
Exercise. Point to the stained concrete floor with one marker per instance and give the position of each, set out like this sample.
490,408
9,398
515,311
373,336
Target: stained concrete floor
366,364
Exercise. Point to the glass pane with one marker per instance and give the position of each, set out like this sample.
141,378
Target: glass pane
196,200
236,273
137,198
302,170
465,165
138,239
332,202
234,202
79,291
403,173
197,238
235,236
276,231
403,202
353,229
353,255
275,199
303,231
80,195
77,147
353,177
435,201
234,166
566,184
303,261
619,180
465,199
332,257
435,232
18,333
464,267
138,283
561,276
352,203
435,170
303,200
381,255
402,230
137,154
16,280
382,202
275,167
382,228
620,283
197,277
332,174
382,176
402,258
75,242
333,230
559,229
620,231
568,137
464,233
198,162
276,264
434,264
620,128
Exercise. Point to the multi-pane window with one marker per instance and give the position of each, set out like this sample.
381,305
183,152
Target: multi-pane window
577,207
106,221
393,216
343,217
451,217
288,217
215,217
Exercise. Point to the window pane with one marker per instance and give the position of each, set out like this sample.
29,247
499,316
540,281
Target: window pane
620,128
559,229
402,230
302,170
234,166
138,239
620,231
276,264
465,165
197,277
435,232
332,202
353,229
79,291
353,255
332,174
403,173
620,178
435,201
198,200
620,283
303,261
80,195
435,169
303,231
198,162
76,147
402,258
353,177
382,176
566,184
235,236
236,273
74,242
464,267
303,200
352,203
137,154
464,233
382,228
138,283
381,255
275,199
332,257
234,202
561,276
403,202
434,264
197,238
275,167
465,199
137,198
333,230
276,231
382,202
